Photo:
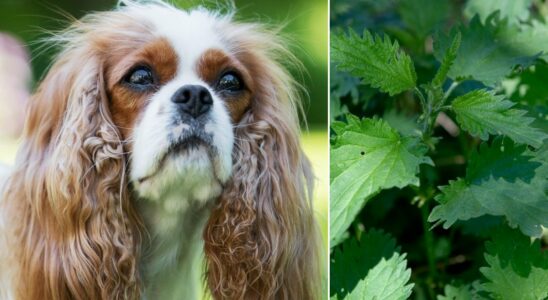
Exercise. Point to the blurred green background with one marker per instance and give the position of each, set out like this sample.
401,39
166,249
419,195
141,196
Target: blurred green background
306,27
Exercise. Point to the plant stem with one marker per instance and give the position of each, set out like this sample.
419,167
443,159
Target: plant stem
421,98
426,107
450,90
431,107
428,243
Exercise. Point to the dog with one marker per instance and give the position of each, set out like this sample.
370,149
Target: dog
159,137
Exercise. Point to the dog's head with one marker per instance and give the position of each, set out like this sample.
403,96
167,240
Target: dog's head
176,100
176,94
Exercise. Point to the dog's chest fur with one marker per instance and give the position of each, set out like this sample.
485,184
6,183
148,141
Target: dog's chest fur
172,262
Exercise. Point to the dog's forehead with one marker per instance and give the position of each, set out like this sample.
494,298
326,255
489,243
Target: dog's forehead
191,33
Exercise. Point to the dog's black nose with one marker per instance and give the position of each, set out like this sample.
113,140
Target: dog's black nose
194,100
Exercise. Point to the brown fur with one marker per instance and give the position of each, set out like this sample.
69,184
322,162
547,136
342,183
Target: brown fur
212,66
127,104
261,241
80,238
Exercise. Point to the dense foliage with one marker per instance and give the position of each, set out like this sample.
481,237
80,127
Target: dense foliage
439,153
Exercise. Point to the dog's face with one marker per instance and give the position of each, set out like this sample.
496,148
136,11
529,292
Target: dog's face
178,96
175,96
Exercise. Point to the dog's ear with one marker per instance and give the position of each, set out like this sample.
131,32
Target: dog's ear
77,236
261,241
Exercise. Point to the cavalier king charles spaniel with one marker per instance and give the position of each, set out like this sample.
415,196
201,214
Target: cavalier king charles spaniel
158,137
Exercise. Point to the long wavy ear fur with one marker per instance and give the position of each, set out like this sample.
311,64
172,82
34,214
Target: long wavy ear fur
261,241
76,231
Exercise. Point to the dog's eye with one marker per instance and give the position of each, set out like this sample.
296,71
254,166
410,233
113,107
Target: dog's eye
230,82
140,76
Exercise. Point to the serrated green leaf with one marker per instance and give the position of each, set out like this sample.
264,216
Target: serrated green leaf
353,259
518,269
447,62
423,16
406,125
526,39
481,113
376,60
503,179
385,281
513,10
368,156
369,269
482,55
463,292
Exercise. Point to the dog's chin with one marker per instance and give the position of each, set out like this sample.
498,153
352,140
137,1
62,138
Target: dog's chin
191,170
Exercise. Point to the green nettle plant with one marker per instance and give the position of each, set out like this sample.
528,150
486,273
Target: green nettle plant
441,143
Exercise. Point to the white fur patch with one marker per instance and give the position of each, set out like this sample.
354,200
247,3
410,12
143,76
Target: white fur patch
190,34
187,179
178,186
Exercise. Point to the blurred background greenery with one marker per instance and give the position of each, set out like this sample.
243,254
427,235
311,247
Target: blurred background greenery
306,28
